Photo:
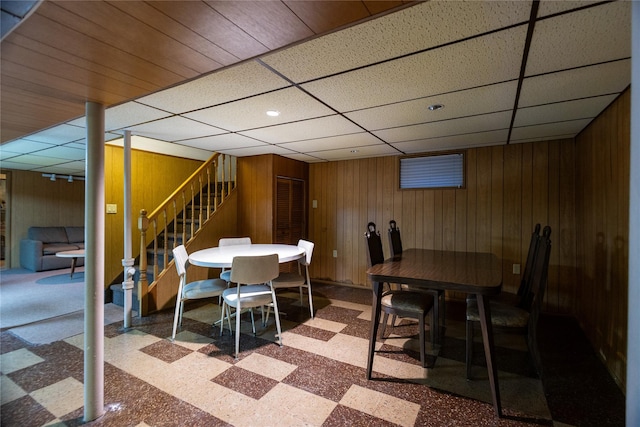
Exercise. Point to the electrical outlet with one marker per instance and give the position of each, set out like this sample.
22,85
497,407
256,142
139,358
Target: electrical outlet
516,268
314,204
335,253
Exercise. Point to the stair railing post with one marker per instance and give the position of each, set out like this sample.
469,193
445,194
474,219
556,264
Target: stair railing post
143,284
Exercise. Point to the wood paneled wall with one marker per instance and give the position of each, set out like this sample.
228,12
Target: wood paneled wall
38,201
509,189
256,193
602,211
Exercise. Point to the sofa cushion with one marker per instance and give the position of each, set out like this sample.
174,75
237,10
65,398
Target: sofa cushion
54,248
48,234
75,234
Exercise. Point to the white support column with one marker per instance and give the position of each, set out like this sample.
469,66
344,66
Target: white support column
94,265
633,323
127,261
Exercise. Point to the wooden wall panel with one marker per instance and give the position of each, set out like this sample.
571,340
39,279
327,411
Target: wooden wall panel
508,189
39,201
602,205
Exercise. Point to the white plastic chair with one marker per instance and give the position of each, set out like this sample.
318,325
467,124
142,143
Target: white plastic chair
253,276
193,290
225,274
300,279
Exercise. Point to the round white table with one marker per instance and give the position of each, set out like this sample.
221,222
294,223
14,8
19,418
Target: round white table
74,255
222,257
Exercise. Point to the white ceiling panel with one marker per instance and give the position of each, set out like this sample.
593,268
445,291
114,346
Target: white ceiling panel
466,125
124,115
161,147
292,103
23,146
486,60
561,111
69,168
356,153
481,100
36,160
60,134
551,7
453,142
308,129
63,152
257,151
174,128
578,83
432,23
236,82
549,130
559,42
222,142
333,142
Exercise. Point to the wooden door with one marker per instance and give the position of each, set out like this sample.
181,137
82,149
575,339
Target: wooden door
290,210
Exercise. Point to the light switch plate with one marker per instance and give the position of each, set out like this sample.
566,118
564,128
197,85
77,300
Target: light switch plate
112,208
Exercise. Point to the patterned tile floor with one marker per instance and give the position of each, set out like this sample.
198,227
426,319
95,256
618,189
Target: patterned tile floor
316,379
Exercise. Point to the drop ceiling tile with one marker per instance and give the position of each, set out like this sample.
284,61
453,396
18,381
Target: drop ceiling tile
596,80
333,142
257,151
124,115
292,103
422,26
551,7
24,146
466,125
36,160
174,129
63,152
236,82
304,130
562,111
356,153
481,100
453,142
304,158
155,146
224,141
481,61
585,37
549,130
60,134
15,165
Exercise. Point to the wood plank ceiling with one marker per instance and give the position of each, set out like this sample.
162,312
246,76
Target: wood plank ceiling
350,78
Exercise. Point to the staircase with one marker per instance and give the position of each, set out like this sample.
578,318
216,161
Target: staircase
176,222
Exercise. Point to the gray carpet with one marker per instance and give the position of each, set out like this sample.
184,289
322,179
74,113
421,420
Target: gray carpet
46,306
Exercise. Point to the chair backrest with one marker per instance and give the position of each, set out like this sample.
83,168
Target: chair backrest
525,283
534,300
251,270
181,258
374,245
395,241
233,241
308,251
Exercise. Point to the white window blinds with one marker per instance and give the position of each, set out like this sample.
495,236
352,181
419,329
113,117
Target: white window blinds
437,171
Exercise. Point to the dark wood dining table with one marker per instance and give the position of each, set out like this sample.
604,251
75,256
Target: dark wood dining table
477,273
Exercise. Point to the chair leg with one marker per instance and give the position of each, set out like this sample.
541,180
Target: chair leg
423,359
532,343
276,313
224,307
385,318
238,311
310,299
434,333
253,323
175,320
469,325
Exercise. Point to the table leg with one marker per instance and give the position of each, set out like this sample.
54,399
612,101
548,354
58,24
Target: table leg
73,265
484,310
375,322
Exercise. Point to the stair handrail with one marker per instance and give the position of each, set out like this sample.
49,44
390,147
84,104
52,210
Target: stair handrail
177,204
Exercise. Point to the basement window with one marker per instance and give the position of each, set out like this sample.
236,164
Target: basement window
432,171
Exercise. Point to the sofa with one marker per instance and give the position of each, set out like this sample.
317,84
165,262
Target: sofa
38,250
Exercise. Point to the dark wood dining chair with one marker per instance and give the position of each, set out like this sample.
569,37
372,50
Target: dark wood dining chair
506,317
395,244
415,305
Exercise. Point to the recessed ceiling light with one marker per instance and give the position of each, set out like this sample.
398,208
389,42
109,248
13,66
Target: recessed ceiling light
435,107
273,113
